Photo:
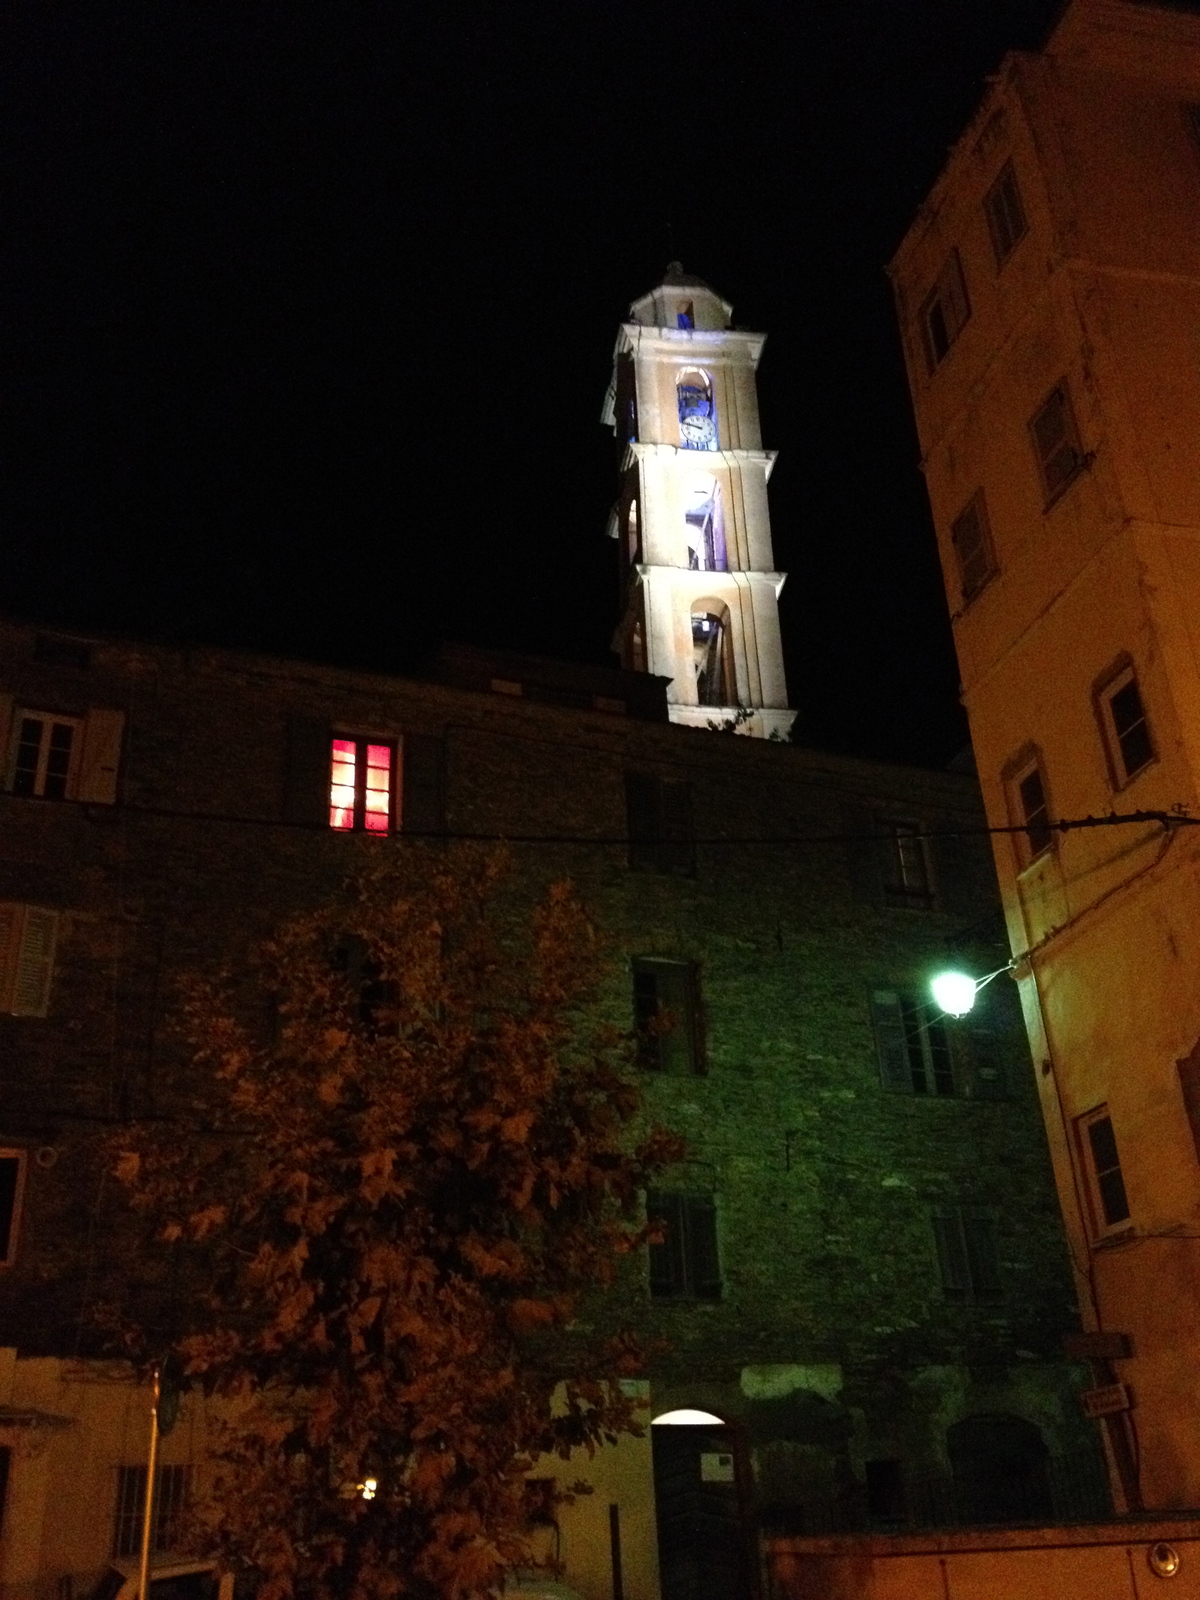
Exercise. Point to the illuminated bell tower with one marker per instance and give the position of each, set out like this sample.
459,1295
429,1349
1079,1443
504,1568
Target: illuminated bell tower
692,524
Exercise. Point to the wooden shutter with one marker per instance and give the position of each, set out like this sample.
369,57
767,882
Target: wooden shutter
642,820
703,1267
100,760
983,1264
306,781
961,870
668,1270
677,849
423,808
952,1255
891,1042
35,963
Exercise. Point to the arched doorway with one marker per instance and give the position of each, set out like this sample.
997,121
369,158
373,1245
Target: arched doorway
702,1498
999,1467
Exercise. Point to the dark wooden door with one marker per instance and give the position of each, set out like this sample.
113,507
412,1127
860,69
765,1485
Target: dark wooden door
705,1550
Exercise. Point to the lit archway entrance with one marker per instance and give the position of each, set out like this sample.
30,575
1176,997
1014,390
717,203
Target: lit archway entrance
703,1507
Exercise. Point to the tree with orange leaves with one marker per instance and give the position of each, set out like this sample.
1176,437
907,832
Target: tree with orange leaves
394,1186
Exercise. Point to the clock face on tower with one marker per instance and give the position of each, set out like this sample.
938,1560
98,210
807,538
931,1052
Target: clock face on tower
698,431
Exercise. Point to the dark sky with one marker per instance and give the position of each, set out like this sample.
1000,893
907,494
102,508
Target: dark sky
308,313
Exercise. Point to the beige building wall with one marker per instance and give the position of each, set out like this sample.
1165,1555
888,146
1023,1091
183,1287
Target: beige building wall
1102,293
72,1425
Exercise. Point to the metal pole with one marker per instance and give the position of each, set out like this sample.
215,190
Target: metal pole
151,1472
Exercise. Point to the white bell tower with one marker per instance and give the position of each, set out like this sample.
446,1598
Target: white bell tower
701,590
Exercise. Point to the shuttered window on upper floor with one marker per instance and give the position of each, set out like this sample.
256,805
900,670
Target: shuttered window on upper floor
12,1195
28,938
50,755
922,1052
659,818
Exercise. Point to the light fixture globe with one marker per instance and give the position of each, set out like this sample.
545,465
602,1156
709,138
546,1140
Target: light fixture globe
954,992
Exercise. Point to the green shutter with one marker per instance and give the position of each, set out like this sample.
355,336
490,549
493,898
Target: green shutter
983,1263
703,1267
642,813
668,1276
891,1045
677,847
952,1255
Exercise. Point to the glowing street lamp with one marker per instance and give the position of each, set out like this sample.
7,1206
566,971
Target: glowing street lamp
955,991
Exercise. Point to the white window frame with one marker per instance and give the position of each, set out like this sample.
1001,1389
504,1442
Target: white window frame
950,299
1022,843
1101,1228
1119,772
94,765
49,720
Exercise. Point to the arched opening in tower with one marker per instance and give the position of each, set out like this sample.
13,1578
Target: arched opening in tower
712,654
704,520
697,413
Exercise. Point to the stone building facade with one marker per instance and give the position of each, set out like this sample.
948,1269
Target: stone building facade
863,1284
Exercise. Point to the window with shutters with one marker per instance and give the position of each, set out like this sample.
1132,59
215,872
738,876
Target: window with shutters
1126,728
965,1237
907,879
1056,443
361,785
668,1015
913,1043
1005,214
684,1264
28,936
12,1194
659,819
972,541
1109,1204
945,313
170,1500
50,756
922,1052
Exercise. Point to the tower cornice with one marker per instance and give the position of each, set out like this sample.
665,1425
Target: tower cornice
640,449
718,344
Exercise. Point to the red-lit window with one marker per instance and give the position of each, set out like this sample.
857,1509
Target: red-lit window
361,781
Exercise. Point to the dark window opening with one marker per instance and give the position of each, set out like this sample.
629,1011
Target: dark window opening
1056,443
999,1467
51,650
685,317
374,998
1005,214
1035,812
684,1262
1108,1182
626,400
659,819
970,536
43,764
907,880
668,1015
967,1257
1130,727
885,1490
945,312
11,1175
704,519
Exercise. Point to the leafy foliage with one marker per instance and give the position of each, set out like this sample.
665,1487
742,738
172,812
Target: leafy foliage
391,1192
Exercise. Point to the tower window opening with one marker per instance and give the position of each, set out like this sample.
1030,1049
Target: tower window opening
710,648
697,413
685,317
704,516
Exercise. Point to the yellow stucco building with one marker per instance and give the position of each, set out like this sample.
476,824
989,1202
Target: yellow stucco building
1049,297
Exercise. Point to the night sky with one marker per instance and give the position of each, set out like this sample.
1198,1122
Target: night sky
308,315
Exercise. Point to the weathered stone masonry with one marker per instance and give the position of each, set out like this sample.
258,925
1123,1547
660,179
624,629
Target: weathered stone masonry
832,1334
